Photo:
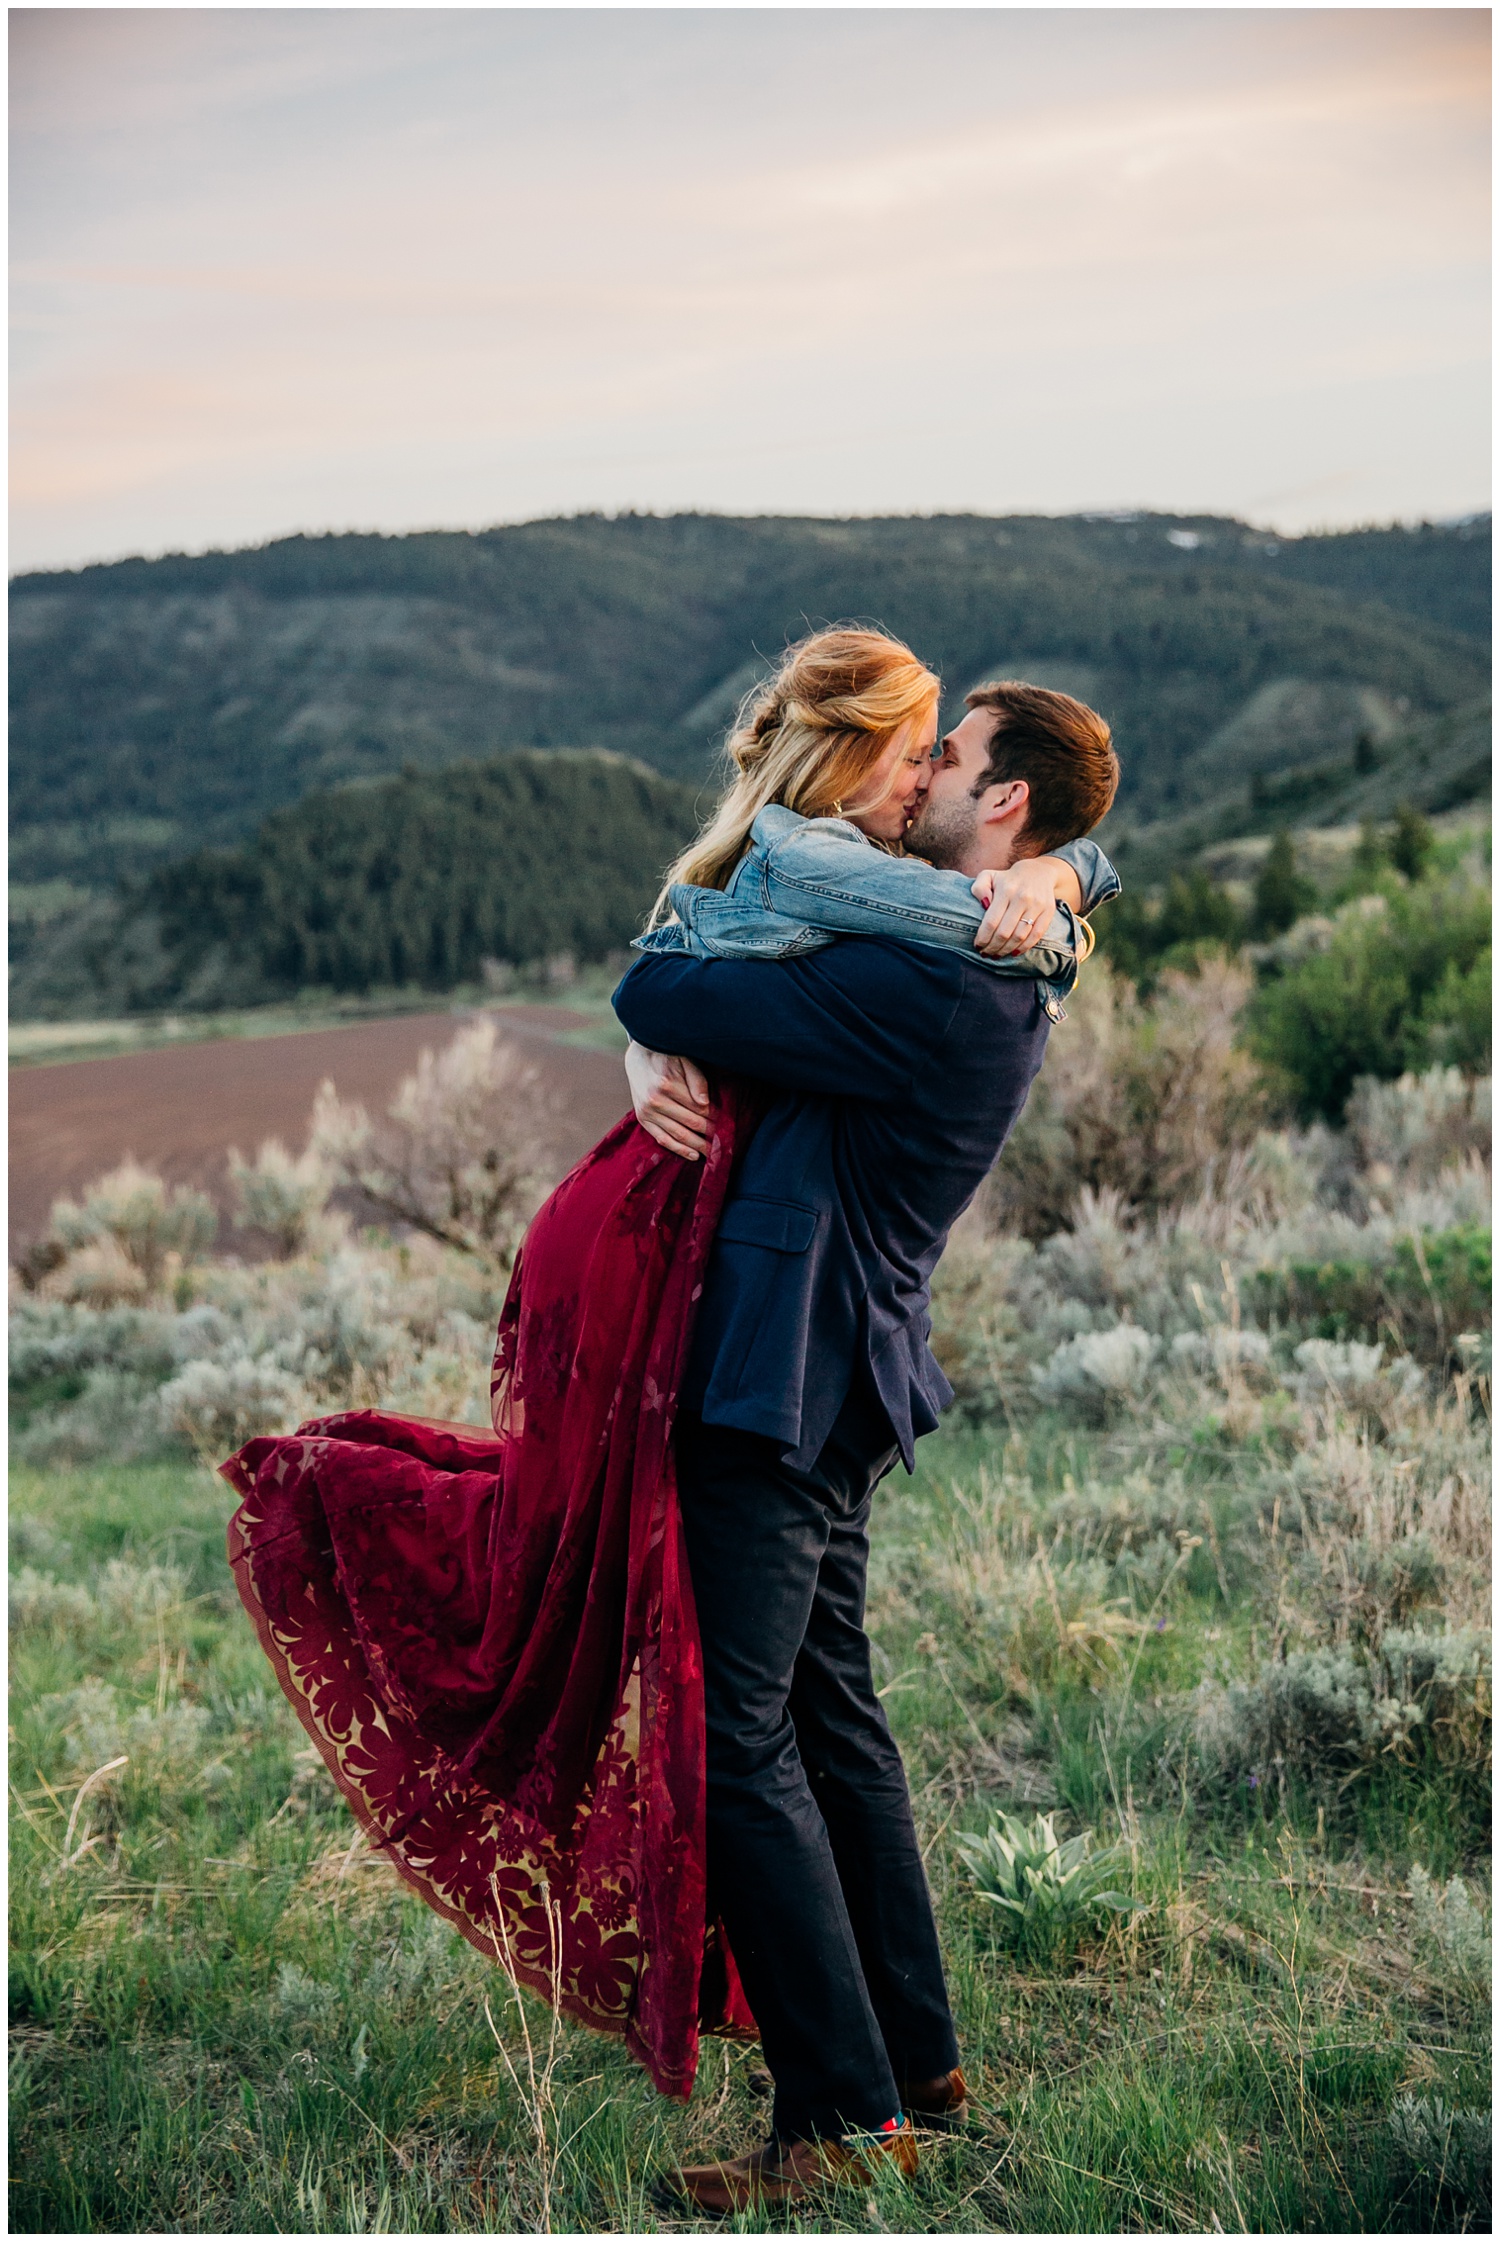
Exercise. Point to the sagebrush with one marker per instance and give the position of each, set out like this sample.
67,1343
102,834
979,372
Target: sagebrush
1185,1617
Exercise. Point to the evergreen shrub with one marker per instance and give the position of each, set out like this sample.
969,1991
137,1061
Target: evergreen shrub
1401,981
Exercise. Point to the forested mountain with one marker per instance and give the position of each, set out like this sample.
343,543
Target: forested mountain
414,881
1439,572
1431,764
159,705
423,877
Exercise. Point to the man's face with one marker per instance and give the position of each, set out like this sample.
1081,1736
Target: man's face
946,829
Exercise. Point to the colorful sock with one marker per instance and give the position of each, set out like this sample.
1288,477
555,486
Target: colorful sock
878,2132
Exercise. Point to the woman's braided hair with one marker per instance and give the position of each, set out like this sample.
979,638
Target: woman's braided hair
806,738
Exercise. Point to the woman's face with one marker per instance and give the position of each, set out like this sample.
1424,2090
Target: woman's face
896,786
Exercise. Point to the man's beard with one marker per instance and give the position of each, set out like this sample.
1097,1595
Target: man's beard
944,831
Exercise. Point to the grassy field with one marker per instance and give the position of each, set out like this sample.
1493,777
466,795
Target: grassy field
229,2018
1200,1566
50,1042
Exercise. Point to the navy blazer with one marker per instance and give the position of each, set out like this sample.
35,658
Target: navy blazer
903,1069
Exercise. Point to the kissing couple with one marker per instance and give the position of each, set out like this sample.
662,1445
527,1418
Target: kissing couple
596,1681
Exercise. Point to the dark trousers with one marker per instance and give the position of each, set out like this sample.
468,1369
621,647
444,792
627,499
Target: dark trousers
813,1861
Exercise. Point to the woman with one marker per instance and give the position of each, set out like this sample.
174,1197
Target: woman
490,1637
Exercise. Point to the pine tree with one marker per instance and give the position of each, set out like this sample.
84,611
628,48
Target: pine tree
421,878
1282,895
1411,842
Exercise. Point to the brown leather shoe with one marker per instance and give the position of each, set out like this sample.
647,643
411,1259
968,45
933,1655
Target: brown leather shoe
939,2105
790,2171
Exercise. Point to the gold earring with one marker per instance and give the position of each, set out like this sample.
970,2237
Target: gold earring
838,808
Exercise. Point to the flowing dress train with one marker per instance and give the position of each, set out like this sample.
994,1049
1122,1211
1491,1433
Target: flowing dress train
490,1636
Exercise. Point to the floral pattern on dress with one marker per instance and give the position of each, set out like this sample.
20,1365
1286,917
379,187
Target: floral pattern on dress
490,1637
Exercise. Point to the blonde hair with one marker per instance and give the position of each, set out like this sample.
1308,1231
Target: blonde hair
805,738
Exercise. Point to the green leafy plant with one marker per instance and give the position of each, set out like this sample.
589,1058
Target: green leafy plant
1043,1889
1449,1931
1400,978
1422,1289
1448,2148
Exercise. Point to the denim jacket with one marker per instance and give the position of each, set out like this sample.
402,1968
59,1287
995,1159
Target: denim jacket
805,881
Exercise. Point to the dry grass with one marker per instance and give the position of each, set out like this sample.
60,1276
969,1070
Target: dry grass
1204,1577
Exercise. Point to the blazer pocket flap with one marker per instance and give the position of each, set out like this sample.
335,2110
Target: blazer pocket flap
777,1223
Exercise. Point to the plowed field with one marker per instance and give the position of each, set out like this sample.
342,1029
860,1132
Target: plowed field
180,1109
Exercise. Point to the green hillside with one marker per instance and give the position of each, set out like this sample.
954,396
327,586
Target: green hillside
1440,573
1435,764
409,882
161,705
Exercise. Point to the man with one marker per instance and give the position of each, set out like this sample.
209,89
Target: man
899,1073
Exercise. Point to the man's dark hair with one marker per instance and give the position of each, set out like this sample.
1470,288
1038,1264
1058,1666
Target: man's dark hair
1063,751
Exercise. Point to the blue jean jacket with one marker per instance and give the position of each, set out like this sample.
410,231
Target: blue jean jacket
805,881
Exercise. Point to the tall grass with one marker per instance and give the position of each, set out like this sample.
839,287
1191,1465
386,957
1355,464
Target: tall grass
1199,1565
229,2018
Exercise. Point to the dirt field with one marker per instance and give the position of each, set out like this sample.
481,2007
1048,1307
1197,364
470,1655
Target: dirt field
178,1110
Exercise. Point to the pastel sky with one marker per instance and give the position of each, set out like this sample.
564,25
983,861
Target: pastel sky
286,269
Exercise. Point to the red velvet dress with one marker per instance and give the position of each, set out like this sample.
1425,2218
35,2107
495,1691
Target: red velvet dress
490,1637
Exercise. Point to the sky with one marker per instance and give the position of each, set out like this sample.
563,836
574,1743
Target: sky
288,269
